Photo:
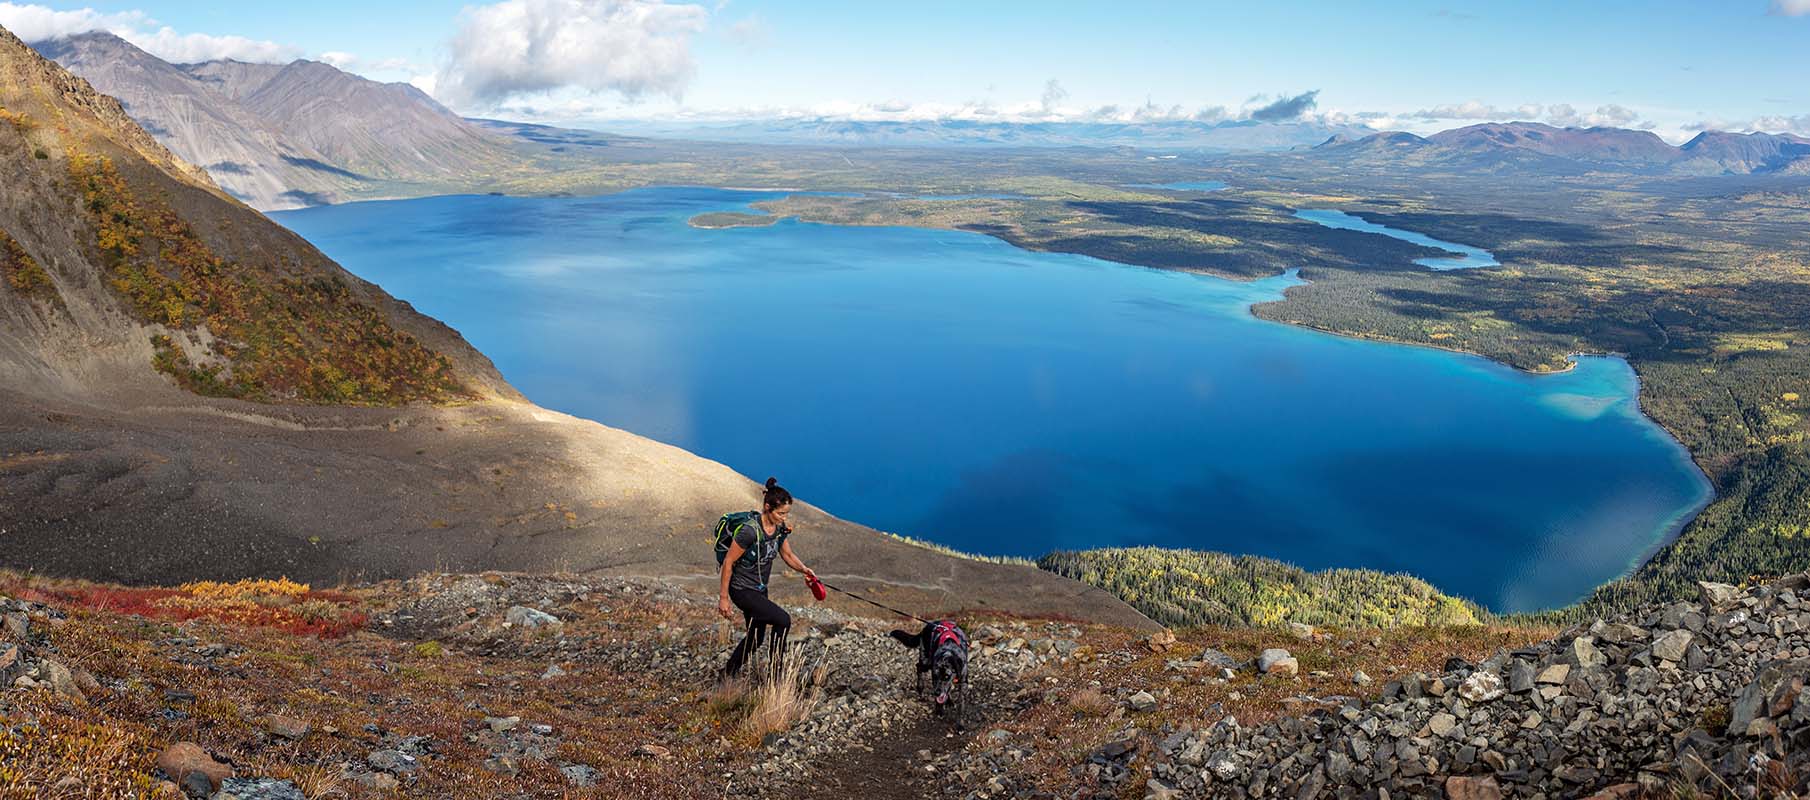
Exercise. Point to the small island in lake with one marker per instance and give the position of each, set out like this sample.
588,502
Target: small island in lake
732,219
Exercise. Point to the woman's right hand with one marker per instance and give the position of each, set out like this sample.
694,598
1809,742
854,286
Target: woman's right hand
723,607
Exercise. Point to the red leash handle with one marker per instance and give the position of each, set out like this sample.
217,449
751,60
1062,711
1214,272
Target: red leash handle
817,589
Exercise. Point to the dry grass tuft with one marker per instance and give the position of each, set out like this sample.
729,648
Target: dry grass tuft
1090,701
757,709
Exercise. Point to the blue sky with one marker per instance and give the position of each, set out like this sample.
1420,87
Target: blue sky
1670,65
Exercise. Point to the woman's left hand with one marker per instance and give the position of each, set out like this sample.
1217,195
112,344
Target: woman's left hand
809,575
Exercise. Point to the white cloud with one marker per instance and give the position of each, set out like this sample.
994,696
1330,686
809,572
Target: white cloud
34,23
188,48
1474,110
1790,8
525,47
342,60
1798,125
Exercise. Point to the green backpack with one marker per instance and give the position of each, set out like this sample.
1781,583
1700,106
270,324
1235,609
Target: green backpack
730,525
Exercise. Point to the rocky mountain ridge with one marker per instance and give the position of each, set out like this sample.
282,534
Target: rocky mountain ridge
290,135
1532,145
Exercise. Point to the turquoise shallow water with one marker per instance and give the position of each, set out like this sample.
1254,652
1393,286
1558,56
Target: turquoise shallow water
952,387
1468,257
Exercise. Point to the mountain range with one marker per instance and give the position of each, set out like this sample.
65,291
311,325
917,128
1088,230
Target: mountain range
285,135
1522,144
1225,136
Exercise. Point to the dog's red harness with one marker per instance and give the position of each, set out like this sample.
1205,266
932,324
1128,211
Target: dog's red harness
947,632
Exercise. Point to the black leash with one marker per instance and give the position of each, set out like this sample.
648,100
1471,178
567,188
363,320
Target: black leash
828,585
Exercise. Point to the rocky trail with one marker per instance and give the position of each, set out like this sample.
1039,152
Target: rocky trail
526,686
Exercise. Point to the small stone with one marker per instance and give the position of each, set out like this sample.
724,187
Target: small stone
197,785
1142,702
1520,677
1717,595
1464,787
1360,678
1218,659
1554,675
503,764
1620,633
552,672
183,761
1582,652
1277,661
502,724
525,617
579,775
1481,687
1300,631
59,679
391,761
651,751
1442,724
286,727
260,789
1672,645
16,626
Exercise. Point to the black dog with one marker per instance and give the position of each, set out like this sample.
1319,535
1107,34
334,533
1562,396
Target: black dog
942,652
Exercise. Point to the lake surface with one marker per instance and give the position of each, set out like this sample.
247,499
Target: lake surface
1469,257
952,387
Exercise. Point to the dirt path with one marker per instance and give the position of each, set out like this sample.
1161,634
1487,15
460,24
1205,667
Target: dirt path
890,768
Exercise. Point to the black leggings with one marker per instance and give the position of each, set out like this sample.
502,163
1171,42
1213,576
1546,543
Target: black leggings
760,614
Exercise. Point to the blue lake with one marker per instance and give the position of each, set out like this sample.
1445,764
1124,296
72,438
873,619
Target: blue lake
952,387
1469,257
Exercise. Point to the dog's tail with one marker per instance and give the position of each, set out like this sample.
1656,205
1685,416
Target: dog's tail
908,639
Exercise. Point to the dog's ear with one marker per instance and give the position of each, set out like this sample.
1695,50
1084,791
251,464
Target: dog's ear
907,639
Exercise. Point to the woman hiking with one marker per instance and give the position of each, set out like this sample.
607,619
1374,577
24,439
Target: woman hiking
746,545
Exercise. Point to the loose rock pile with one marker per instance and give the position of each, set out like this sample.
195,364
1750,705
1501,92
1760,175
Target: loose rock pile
1693,696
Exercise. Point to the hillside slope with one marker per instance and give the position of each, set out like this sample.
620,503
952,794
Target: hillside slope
188,390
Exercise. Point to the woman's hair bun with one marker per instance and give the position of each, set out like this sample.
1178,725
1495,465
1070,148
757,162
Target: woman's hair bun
775,495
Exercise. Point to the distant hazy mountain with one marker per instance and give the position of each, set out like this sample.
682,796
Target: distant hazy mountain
387,131
1714,152
1614,145
1170,135
284,135
245,156
1529,146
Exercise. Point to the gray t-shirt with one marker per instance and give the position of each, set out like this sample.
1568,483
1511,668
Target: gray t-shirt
760,550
